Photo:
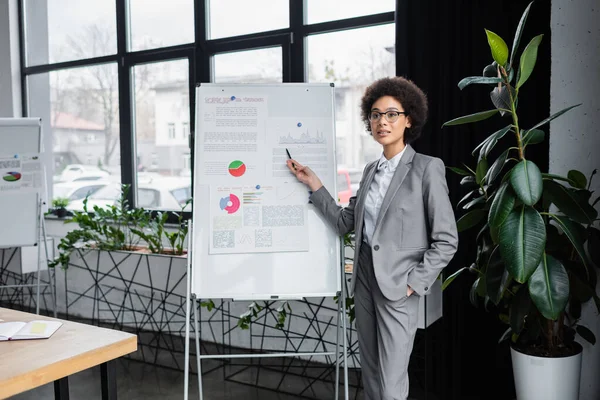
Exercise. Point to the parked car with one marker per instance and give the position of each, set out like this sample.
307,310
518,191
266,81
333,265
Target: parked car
343,186
80,172
164,193
77,190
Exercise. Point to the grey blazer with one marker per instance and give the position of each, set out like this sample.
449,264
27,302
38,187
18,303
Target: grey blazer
415,233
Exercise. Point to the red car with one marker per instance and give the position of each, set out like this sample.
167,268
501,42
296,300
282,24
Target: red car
343,186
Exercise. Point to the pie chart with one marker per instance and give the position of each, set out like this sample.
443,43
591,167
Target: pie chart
237,168
12,176
230,203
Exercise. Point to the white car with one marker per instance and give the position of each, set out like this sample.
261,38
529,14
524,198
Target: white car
165,193
80,172
77,190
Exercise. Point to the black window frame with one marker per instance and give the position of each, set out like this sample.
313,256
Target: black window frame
199,55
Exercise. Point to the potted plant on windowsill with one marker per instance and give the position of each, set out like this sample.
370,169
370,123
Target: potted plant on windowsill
59,206
537,247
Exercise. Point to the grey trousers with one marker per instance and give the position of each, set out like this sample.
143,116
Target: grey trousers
386,333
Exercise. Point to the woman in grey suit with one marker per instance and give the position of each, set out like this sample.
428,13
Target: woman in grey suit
405,233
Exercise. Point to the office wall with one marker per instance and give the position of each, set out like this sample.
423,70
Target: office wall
575,137
10,86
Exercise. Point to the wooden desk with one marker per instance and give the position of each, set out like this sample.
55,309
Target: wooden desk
27,364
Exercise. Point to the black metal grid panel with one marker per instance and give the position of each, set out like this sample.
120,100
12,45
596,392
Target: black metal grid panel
22,298
124,292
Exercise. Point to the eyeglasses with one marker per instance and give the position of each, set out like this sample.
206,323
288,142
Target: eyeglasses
390,116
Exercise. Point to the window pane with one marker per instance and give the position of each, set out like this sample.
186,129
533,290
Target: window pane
65,30
162,118
159,23
352,68
329,10
241,17
260,66
80,110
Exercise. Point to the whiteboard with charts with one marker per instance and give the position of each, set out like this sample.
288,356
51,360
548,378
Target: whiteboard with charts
21,181
255,235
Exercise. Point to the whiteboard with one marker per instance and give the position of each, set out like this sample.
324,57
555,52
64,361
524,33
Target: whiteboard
313,272
19,212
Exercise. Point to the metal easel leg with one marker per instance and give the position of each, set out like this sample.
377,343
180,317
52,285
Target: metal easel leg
344,330
51,276
197,336
37,293
186,368
337,347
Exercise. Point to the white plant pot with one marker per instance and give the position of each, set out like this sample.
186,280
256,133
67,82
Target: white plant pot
544,378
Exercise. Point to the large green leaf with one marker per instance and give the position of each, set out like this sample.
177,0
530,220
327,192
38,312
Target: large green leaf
519,309
522,240
493,138
549,287
593,245
491,141
503,97
467,197
580,289
480,116
532,136
518,33
575,235
497,277
482,167
578,178
452,277
498,47
496,167
469,220
526,180
558,178
502,205
553,116
568,204
468,180
528,59
473,292
477,80
586,334
478,200
459,171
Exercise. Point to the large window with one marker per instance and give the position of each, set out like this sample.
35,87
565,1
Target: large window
162,116
352,68
241,17
81,108
260,66
329,10
65,30
114,80
152,23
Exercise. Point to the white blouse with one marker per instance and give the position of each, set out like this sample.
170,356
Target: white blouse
377,191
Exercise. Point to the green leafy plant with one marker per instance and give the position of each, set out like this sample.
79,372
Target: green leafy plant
537,247
120,227
59,205
60,202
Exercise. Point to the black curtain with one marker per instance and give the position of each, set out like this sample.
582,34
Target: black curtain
439,43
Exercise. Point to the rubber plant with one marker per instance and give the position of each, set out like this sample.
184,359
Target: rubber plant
537,244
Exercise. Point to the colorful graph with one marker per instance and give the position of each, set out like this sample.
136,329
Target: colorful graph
230,203
12,176
237,168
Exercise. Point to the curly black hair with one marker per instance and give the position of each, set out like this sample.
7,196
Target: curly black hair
407,93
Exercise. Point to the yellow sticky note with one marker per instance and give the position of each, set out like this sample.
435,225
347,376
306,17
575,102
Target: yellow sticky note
38,328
